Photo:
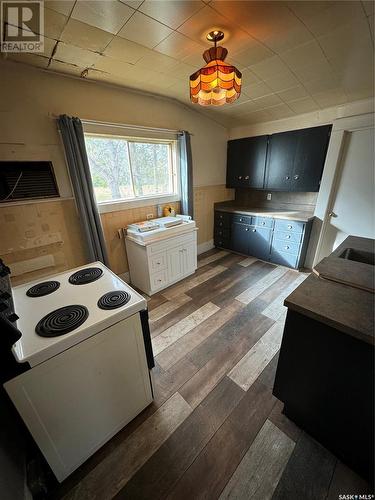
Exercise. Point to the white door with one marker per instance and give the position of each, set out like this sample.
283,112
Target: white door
352,206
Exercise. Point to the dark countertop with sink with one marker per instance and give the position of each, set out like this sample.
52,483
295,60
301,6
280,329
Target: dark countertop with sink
296,215
340,293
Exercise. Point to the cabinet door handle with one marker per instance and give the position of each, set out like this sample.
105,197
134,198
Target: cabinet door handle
287,236
247,229
254,230
296,177
159,280
287,177
239,177
286,247
263,223
241,219
247,178
290,226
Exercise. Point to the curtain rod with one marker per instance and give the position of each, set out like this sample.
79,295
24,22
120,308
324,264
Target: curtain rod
134,127
125,125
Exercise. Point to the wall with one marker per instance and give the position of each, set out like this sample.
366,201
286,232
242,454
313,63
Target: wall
304,202
28,131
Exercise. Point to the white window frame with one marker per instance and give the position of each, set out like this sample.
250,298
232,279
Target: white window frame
143,201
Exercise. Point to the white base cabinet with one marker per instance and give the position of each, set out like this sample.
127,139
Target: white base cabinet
157,265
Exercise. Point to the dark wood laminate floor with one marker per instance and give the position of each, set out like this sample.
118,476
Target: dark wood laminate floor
215,430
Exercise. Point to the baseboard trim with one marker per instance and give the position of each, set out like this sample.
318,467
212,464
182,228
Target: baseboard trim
204,247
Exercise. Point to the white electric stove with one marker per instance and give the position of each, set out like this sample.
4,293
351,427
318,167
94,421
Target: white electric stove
87,351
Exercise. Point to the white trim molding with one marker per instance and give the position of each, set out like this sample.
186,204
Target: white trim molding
205,247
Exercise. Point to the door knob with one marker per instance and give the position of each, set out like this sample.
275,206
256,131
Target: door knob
332,214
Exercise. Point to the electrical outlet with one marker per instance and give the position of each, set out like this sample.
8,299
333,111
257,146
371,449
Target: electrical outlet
149,216
269,196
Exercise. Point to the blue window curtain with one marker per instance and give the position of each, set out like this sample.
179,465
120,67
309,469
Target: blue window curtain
75,150
186,174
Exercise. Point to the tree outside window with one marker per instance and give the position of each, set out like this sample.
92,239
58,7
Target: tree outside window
124,169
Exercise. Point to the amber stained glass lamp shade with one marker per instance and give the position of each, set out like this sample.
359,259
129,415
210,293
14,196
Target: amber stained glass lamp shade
218,82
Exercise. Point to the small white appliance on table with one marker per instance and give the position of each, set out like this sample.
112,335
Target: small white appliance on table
161,254
87,351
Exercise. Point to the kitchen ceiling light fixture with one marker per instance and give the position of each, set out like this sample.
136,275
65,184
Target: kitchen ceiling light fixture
218,82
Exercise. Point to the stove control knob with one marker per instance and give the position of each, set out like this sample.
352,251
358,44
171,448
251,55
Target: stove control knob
12,317
3,306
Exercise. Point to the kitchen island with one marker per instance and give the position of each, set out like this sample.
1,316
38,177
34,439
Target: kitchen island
325,373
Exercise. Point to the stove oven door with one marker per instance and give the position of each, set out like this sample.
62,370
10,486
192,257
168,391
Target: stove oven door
76,401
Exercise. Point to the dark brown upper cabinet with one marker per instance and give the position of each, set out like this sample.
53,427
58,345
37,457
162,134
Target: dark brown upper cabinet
295,160
246,162
287,161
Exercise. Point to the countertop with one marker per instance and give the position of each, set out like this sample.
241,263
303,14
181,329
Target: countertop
266,212
347,308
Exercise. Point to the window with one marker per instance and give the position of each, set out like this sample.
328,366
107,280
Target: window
125,169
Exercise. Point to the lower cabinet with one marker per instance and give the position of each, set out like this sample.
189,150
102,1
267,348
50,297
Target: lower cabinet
157,265
279,241
260,242
240,238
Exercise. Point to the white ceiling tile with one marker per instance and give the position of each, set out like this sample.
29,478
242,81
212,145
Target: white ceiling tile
108,15
268,100
310,53
207,20
330,97
54,23
304,105
135,4
156,61
115,67
253,54
179,46
282,81
269,67
75,55
144,30
62,6
173,13
125,50
257,90
85,36
310,72
182,71
280,111
322,84
338,13
249,78
293,93
288,39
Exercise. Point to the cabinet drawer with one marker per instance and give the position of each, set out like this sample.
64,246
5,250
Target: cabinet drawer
263,221
158,279
222,232
174,241
288,236
285,246
158,262
289,225
222,219
242,219
222,242
284,259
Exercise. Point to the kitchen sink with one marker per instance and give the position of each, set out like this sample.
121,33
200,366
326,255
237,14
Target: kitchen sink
358,256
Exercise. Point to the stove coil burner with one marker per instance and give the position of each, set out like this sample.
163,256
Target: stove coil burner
44,288
84,276
112,300
62,321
